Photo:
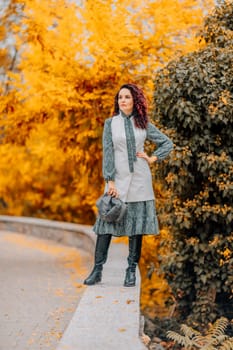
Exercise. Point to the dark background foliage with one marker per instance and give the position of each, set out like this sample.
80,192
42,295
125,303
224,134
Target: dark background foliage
194,103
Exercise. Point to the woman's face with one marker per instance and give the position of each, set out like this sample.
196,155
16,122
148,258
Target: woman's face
125,101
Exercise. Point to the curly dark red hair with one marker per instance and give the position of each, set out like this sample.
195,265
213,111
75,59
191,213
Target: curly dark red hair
139,108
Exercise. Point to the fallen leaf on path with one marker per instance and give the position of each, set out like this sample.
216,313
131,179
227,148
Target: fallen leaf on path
122,330
129,301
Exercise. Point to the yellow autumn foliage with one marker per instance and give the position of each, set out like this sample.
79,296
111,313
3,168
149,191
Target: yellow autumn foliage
71,59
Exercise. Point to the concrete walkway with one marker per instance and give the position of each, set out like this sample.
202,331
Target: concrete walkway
108,315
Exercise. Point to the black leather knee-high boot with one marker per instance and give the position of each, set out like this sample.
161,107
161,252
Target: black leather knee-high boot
101,254
135,245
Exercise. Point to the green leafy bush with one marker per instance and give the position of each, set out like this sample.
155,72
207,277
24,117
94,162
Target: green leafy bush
194,103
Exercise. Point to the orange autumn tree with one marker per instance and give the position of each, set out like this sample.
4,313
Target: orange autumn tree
72,60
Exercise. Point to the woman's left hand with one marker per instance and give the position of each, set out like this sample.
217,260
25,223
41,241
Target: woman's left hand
150,160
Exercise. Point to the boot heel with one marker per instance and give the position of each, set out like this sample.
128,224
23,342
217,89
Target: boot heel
130,277
93,278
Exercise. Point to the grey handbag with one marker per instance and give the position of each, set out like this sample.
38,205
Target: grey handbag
111,209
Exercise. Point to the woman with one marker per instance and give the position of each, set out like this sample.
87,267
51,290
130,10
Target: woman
127,175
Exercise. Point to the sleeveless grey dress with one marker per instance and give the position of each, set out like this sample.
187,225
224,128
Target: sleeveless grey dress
132,175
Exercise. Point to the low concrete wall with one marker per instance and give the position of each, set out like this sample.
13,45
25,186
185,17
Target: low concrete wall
80,236
108,315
